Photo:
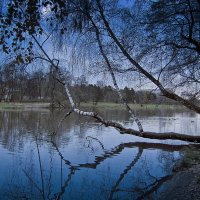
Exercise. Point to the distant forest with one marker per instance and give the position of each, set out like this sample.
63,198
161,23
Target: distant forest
43,87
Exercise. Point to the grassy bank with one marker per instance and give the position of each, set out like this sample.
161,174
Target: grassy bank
118,106
21,106
90,105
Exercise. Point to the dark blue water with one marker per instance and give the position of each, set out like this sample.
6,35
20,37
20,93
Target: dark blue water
83,160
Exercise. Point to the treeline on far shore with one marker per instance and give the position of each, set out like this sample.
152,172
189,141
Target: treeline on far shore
96,94
40,88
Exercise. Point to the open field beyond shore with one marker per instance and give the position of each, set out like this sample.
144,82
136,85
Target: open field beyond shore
118,106
100,105
23,106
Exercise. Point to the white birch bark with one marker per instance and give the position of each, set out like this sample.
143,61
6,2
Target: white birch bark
131,112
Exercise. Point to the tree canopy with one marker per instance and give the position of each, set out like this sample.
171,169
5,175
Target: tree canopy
156,41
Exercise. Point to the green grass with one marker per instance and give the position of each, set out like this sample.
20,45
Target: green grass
19,106
89,105
108,105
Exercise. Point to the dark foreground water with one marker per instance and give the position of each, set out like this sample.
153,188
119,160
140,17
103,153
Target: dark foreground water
84,160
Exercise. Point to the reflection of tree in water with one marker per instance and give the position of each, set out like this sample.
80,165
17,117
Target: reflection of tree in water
124,173
36,178
121,115
16,128
39,184
166,159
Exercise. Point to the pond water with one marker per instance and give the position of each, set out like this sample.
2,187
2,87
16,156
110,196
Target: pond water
84,160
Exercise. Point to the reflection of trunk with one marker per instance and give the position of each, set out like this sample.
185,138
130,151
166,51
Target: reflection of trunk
126,170
136,65
66,183
118,149
156,185
41,171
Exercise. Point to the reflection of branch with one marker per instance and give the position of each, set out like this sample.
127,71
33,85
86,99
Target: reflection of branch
33,182
155,187
63,188
118,149
127,169
72,171
60,122
50,176
102,146
41,172
67,162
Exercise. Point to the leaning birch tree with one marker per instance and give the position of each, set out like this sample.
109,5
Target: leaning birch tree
27,25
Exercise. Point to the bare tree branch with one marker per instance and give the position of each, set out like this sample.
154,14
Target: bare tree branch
165,92
118,126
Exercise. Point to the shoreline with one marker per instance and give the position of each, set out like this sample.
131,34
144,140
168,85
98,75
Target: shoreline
184,185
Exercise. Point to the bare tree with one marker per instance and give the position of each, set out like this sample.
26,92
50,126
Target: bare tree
28,24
